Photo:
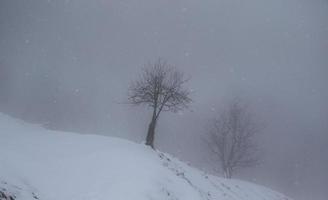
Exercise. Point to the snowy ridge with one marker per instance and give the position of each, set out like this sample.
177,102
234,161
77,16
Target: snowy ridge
212,187
36,163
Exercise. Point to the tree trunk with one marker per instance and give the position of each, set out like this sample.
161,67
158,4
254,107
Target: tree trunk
151,132
227,173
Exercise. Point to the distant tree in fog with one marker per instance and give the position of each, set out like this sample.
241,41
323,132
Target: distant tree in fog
231,138
161,87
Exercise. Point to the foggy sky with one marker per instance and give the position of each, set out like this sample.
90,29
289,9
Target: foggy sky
67,64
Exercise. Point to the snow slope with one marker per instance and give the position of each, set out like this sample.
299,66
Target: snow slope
40,164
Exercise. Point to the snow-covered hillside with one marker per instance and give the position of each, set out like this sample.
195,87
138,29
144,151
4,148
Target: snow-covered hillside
40,164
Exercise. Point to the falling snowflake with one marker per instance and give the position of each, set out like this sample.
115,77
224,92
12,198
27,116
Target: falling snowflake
184,9
187,54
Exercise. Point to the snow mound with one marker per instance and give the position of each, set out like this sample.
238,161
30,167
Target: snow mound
36,163
19,192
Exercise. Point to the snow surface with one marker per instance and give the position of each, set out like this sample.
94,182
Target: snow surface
36,163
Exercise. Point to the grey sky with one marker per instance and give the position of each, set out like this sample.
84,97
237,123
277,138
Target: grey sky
67,64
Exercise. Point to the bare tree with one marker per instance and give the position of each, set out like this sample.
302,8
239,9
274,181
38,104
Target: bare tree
161,88
231,138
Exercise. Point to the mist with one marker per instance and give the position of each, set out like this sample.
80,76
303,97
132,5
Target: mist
67,64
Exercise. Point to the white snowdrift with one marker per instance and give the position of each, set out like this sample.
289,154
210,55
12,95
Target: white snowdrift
40,164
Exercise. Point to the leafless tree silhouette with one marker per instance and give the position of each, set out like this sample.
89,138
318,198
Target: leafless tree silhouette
231,138
161,88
